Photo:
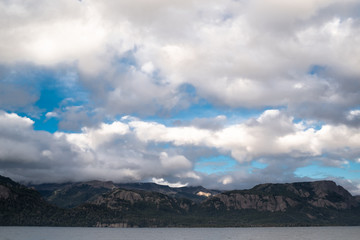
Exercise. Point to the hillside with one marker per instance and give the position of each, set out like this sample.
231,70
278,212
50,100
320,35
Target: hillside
280,197
194,193
70,195
105,204
302,203
20,205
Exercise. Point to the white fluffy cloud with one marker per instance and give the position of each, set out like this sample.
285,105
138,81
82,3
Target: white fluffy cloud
175,163
273,133
109,151
25,153
127,150
133,57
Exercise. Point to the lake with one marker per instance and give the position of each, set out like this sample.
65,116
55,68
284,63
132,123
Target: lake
293,233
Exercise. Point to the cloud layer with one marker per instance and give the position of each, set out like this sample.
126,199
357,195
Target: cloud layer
133,150
301,55
87,66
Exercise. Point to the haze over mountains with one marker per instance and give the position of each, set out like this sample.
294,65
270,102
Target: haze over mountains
106,204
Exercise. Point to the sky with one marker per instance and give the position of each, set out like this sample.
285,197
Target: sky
224,94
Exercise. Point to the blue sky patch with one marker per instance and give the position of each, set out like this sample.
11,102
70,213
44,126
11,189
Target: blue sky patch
316,69
349,171
259,165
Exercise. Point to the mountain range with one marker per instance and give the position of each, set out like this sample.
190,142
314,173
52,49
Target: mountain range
108,204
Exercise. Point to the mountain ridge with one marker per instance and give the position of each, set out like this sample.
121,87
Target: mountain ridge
69,195
279,197
104,204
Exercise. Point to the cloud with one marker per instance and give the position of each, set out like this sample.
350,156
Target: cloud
94,138
215,123
176,163
131,150
14,97
49,115
32,155
234,53
107,151
272,134
297,63
161,181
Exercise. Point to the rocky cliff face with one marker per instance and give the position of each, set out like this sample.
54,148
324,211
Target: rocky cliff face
280,197
328,194
123,199
4,192
238,201
196,194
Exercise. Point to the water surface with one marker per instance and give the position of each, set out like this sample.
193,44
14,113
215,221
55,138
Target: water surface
293,233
